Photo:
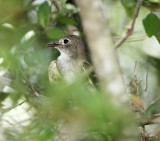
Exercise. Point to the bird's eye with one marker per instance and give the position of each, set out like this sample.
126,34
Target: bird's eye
66,41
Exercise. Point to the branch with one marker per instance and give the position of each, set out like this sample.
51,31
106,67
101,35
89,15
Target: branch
9,109
153,120
146,80
103,55
58,5
131,27
102,50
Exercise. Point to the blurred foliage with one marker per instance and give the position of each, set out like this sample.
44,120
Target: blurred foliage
44,14
153,5
26,26
129,6
152,21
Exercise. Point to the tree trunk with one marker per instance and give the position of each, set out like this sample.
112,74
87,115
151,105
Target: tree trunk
103,55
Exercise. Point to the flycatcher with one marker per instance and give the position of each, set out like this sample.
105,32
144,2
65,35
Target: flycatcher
72,60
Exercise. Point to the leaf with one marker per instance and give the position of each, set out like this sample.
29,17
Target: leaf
46,133
158,36
28,37
63,1
66,20
151,24
55,33
1,60
44,14
129,6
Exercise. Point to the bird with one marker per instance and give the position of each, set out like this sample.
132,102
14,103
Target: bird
73,60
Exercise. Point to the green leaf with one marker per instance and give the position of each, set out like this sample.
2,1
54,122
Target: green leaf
46,133
158,36
129,6
55,33
44,14
152,24
63,2
66,20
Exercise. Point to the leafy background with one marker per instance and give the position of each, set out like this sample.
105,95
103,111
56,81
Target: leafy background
33,109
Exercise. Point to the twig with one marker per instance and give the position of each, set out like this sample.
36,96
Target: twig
19,104
147,136
135,67
153,102
152,120
136,81
146,81
131,27
144,135
57,4
155,134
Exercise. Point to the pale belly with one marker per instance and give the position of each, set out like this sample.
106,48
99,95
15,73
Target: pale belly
69,69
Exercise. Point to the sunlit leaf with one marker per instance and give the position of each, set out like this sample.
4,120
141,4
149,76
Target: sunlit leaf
66,20
55,33
7,25
27,37
44,13
45,134
1,60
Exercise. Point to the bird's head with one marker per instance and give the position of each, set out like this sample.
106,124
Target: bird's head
70,45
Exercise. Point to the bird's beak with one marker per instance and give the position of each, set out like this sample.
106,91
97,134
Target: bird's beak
53,44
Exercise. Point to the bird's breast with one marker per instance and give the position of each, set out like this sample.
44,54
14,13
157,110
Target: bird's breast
68,67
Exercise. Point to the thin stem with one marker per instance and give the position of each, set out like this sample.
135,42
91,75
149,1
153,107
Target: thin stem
130,29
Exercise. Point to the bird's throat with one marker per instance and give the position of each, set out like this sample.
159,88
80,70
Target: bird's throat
68,67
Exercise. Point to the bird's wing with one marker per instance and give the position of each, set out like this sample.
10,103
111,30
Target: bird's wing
53,73
88,68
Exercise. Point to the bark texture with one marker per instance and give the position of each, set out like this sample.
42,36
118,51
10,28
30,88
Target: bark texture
102,49
103,55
